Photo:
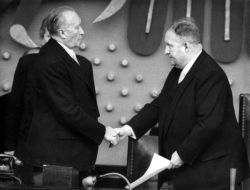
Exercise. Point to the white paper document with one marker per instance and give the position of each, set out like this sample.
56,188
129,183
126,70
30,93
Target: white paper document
157,165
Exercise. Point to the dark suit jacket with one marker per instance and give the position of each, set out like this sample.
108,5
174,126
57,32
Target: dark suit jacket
19,111
64,127
3,111
196,118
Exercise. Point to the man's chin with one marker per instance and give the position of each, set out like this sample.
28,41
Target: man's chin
173,64
74,46
77,45
176,66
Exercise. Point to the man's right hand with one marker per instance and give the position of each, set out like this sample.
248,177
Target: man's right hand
124,131
111,135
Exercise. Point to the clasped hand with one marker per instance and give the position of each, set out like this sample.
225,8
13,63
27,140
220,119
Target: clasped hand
114,135
111,136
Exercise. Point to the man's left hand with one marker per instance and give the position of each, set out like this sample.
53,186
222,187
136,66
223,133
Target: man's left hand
176,161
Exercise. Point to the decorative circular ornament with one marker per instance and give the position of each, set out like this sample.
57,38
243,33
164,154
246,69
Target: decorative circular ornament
124,63
111,76
83,46
109,107
5,87
112,47
139,78
137,108
154,93
124,92
123,120
6,55
97,61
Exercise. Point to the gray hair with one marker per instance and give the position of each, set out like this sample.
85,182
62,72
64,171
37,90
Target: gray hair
187,29
56,20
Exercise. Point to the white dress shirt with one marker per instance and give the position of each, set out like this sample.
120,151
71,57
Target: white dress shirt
188,67
182,76
71,52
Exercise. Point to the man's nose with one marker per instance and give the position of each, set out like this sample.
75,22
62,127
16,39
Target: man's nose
166,50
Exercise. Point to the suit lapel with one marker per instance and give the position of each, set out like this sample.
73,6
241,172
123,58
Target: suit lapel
181,89
77,69
169,86
81,72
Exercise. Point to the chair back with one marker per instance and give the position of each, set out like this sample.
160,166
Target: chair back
140,154
244,122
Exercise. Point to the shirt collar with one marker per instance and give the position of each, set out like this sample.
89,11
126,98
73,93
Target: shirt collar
68,50
190,64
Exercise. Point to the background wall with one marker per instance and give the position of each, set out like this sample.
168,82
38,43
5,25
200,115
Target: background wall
154,68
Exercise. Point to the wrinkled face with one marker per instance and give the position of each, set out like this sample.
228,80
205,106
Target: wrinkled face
175,49
72,30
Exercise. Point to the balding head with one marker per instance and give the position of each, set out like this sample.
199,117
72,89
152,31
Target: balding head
57,19
64,25
187,30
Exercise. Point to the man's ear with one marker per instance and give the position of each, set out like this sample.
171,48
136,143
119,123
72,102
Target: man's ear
61,33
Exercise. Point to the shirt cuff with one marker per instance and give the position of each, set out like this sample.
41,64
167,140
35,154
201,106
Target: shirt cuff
131,131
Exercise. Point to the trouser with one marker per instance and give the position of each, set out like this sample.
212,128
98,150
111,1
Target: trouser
30,175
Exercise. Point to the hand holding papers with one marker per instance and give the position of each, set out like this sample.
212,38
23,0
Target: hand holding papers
176,160
157,165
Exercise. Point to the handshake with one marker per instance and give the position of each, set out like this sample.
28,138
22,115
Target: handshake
114,135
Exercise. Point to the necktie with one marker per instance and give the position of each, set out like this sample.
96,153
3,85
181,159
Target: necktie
74,57
182,76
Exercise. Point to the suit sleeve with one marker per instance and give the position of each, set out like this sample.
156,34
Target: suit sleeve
15,106
210,107
149,115
145,119
57,89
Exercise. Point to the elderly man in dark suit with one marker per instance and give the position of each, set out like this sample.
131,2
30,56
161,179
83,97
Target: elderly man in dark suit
198,131
64,128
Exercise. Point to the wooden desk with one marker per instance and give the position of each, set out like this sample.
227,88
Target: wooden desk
52,188
153,186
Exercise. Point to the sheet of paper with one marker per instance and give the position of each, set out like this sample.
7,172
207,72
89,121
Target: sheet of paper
158,164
